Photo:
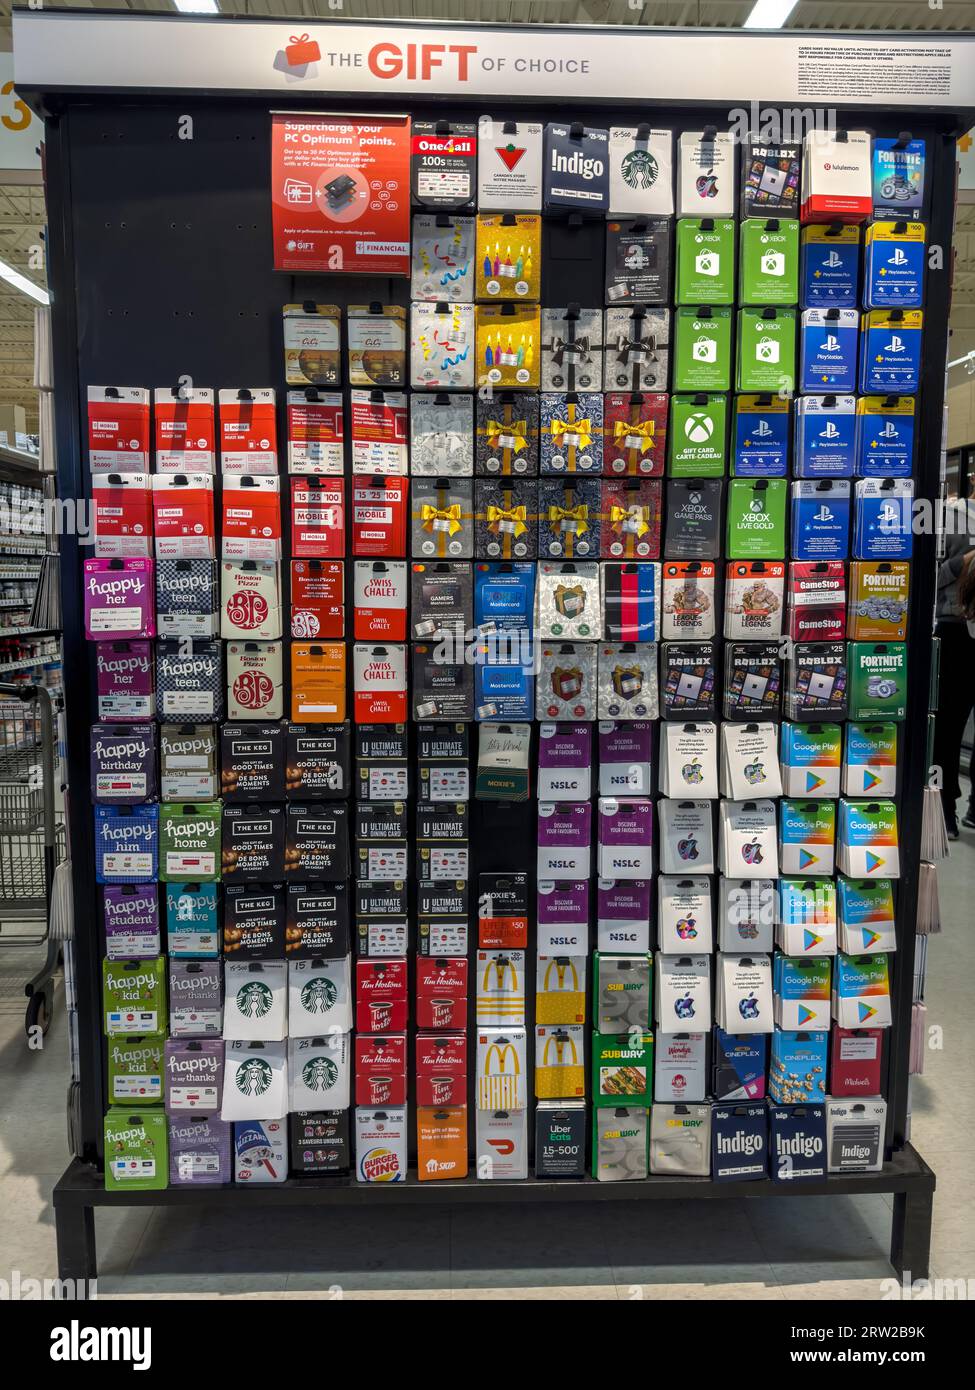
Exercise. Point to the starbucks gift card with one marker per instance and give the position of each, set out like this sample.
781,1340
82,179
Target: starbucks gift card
319,1070
702,348
255,1087
638,260
442,346
687,607
634,434
255,1001
442,435
749,761
566,685
320,997
686,837
689,760
684,914
641,171
568,601
748,845
627,681
571,433
572,349
637,354
631,519
683,993
506,440
442,257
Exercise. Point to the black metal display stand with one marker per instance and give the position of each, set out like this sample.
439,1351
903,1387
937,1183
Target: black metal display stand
160,267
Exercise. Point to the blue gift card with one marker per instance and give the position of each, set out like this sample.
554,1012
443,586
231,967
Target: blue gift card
890,353
820,519
504,595
830,267
825,436
127,843
828,350
739,1142
797,1067
899,170
761,437
797,1142
882,528
503,692
885,436
739,1065
895,266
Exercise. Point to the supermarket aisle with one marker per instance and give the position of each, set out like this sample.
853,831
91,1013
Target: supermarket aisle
768,1249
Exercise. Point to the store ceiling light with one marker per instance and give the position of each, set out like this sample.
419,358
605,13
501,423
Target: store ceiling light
197,6
769,14
21,282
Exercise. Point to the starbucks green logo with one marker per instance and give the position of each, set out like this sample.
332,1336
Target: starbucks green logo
319,995
699,427
254,999
319,1074
254,1077
639,169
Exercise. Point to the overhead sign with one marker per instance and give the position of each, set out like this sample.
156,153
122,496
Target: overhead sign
340,193
65,50
21,132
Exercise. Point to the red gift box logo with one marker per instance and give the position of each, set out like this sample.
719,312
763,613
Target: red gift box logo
302,50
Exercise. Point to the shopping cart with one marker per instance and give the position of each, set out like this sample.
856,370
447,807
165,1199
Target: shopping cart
31,838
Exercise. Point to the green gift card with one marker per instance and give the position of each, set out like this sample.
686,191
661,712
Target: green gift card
877,678
134,996
698,435
769,261
702,349
756,518
767,350
135,1071
189,842
705,260
622,1068
136,1150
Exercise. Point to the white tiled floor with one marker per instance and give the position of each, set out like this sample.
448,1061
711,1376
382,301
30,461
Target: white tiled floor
827,1248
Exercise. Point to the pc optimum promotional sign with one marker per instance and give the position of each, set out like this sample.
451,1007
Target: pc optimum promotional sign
340,193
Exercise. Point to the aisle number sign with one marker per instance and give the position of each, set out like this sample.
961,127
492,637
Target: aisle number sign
340,193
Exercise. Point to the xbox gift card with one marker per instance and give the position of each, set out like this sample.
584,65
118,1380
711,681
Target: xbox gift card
698,435
702,348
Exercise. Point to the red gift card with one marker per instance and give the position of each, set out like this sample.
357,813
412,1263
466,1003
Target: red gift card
816,605
118,429
251,518
318,517
185,431
248,431
315,432
380,597
182,516
630,510
379,684
317,598
634,434
441,977
379,514
379,433
380,1069
441,1069
122,514
380,996
855,1065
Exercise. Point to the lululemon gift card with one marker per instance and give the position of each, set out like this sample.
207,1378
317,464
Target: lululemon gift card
509,165
442,435
684,914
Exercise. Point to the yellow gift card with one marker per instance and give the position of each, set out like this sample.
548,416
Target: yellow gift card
508,337
508,259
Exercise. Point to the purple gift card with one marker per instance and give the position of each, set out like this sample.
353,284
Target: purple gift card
564,762
195,998
193,1072
123,763
131,916
564,839
119,599
624,759
625,838
199,1150
623,914
563,918
125,680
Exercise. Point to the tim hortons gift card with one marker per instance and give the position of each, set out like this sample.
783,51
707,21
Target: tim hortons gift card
441,1067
